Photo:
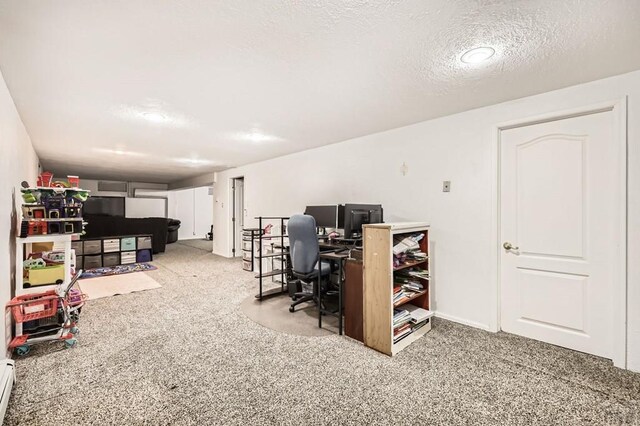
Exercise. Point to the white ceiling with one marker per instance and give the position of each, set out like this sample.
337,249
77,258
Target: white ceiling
242,81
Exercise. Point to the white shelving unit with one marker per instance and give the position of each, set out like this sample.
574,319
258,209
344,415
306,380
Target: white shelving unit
24,245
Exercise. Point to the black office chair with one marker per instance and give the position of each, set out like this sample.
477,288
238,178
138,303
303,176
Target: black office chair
305,255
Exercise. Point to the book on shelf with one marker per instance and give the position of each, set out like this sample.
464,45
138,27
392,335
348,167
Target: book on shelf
400,317
401,323
401,329
404,292
401,335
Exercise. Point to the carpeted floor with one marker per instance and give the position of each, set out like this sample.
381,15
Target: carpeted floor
185,354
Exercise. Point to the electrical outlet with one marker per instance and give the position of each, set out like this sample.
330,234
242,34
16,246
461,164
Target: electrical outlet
446,186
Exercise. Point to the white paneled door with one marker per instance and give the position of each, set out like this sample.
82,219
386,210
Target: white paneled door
560,231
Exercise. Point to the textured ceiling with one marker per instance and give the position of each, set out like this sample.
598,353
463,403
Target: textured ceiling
241,81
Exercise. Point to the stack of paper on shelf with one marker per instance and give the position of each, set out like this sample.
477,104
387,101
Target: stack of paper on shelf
407,244
418,273
416,255
419,316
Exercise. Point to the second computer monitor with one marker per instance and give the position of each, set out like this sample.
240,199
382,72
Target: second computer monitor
325,216
353,216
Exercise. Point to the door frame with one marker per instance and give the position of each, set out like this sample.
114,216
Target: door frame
619,109
232,210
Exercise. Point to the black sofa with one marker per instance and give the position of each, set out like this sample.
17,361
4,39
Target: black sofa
99,226
173,226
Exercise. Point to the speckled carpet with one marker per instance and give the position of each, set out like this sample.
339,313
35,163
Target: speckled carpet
185,354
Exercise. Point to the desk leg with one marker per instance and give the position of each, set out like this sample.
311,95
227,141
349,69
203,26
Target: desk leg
340,284
319,292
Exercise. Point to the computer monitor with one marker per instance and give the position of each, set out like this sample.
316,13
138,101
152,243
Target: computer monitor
325,216
351,217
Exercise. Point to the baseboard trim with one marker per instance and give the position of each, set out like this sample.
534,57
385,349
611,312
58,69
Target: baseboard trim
221,254
463,321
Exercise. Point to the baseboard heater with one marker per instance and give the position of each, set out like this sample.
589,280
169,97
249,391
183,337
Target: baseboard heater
7,380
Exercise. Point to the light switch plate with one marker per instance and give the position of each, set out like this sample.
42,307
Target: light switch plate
446,186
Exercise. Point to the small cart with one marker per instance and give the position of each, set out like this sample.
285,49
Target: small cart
47,316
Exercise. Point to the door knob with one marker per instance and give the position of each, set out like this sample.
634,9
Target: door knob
508,246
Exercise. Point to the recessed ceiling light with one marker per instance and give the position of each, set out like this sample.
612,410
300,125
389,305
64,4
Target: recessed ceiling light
119,151
154,117
259,137
479,54
254,136
155,112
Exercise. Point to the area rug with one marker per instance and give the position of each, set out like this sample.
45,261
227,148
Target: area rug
116,270
274,313
117,284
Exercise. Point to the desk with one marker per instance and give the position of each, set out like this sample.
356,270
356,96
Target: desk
336,245
339,258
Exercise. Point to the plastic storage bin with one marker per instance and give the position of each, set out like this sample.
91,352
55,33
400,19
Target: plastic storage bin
246,265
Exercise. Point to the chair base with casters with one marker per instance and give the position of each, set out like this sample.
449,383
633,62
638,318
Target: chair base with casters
300,297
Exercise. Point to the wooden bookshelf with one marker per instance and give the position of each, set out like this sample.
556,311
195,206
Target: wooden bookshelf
379,279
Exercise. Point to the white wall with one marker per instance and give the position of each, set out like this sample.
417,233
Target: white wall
134,188
194,209
145,207
193,182
204,211
459,148
18,162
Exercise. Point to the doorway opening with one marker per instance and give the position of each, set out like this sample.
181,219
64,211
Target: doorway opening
237,215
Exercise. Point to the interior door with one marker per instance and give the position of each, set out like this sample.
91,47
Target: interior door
560,231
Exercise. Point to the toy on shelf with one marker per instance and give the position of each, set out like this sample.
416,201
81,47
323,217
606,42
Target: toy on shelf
53,207
44,268
45,178
74,181
33,211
